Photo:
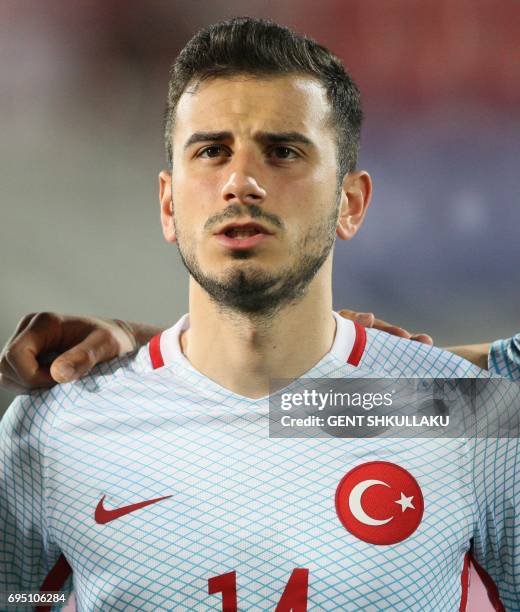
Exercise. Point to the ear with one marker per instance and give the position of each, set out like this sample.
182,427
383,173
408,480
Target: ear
355,197
165,199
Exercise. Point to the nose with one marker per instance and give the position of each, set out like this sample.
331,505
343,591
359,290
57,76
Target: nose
242,188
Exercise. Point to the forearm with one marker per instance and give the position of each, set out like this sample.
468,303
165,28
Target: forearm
476,353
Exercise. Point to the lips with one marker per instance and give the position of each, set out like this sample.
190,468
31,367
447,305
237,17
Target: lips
242,235
243,230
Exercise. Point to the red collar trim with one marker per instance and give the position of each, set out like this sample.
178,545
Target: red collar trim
155,352
359,345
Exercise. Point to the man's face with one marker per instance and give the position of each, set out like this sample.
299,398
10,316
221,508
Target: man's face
254,187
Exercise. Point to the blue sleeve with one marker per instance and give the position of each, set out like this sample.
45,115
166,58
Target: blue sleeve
504,357
27,552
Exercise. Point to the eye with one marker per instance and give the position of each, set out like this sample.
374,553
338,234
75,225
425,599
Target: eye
284,152
212,151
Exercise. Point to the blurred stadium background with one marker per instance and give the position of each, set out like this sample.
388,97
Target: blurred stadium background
82,91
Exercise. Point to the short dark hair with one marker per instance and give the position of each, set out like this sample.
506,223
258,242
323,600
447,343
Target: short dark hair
245,45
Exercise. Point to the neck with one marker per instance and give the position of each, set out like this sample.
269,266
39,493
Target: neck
243,353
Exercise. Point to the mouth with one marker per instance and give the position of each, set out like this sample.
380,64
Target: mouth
243,230
242,235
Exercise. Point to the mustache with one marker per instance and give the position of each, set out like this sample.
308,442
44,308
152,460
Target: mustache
251,210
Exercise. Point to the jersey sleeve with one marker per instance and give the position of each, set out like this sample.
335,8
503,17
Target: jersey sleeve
494,473
27,552
504,357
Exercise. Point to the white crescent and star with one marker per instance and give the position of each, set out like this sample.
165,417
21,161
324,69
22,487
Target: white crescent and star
354,503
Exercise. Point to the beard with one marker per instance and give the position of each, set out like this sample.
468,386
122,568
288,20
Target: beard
257,293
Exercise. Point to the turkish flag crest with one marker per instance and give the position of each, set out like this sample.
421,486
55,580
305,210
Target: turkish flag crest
379,502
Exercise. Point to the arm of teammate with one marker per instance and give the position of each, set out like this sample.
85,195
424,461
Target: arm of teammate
28,553
476,353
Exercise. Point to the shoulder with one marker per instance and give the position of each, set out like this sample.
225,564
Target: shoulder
32,415
128,366
25,428
397,356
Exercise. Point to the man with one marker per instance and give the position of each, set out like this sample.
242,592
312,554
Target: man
155,481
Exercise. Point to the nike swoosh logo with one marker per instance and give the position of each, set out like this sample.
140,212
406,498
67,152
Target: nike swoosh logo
102,515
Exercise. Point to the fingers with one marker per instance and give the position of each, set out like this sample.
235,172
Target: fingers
10,379
22,324
367,319
424,338
402,333
389,328
19,360
363,318
347,314
81,342
39,378
100,345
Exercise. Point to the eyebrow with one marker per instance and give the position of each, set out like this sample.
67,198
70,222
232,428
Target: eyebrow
207,137
280,137
262,137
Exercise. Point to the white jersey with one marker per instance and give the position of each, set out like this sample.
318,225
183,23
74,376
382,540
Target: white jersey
147,486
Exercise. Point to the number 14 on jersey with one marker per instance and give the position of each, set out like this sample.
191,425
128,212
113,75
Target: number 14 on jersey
293,599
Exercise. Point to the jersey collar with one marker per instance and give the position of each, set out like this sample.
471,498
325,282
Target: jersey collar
348,345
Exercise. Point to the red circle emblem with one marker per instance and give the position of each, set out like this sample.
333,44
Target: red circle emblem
379,502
